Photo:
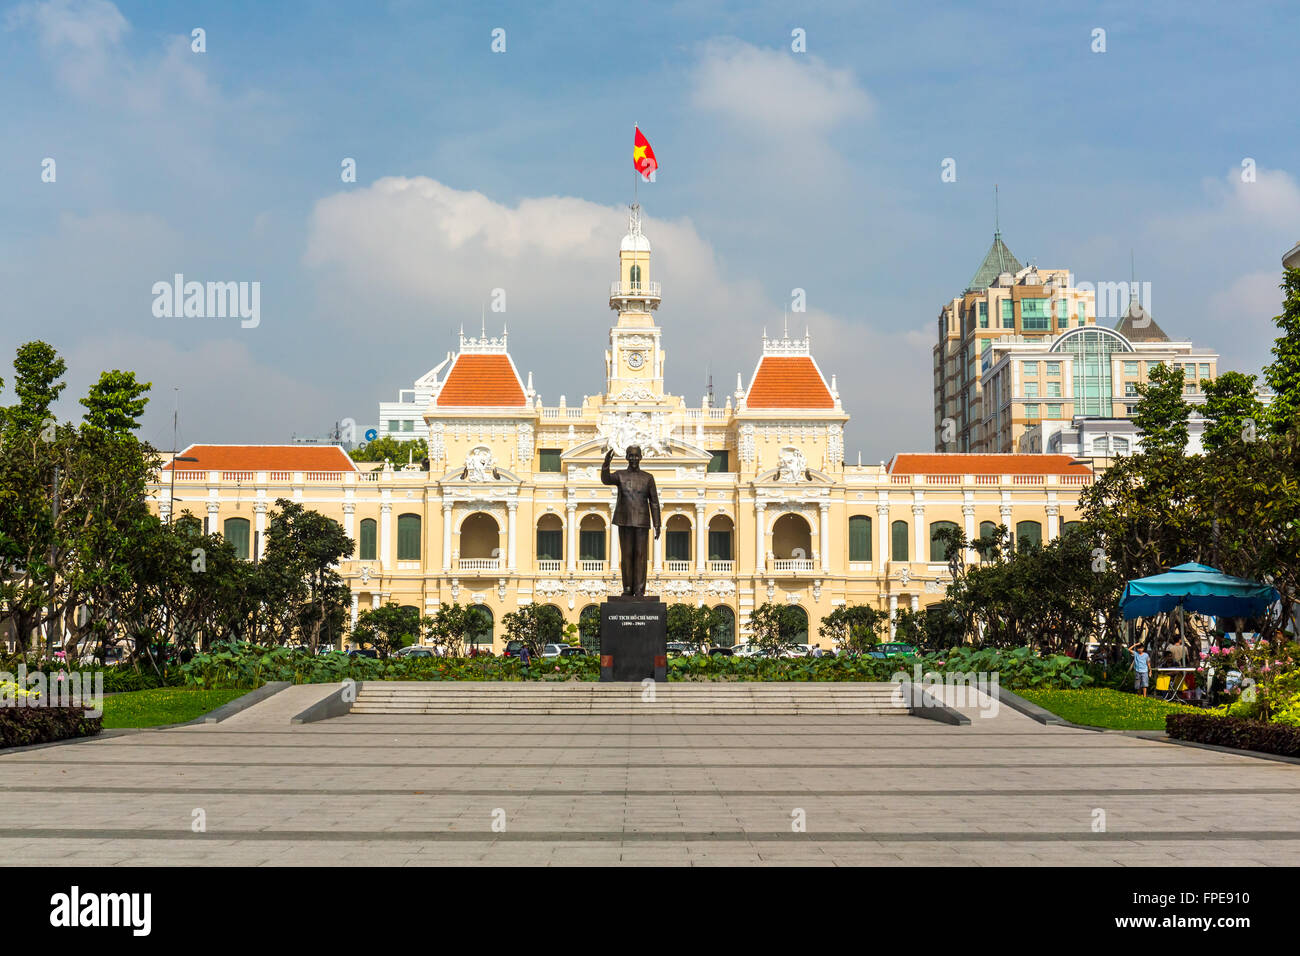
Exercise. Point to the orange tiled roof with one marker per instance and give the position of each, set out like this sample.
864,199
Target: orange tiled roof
991,464
785,381
264,458
482,380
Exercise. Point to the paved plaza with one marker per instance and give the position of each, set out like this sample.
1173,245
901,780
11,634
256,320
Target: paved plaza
508,789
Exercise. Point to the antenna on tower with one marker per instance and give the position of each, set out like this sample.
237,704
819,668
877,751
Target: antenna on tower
997,217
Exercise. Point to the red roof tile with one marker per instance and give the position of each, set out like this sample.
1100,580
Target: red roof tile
482,380
959,464
264,458
784,381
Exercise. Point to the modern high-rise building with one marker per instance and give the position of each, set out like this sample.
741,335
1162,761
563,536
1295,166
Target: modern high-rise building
1003,299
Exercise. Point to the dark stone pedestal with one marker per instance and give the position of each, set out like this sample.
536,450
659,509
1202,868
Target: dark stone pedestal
633,639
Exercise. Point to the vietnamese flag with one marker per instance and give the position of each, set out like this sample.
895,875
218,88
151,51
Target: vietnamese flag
643,157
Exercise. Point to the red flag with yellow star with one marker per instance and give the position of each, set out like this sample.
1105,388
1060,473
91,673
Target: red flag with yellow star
643,157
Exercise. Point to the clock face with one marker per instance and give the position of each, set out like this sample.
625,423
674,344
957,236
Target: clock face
635,359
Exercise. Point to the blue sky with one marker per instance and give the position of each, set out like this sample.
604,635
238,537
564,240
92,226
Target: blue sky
481,170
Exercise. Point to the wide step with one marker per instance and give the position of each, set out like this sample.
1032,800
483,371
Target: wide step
580,698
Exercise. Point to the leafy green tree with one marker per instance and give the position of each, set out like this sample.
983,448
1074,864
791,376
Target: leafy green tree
453,625
1233,411
854,627
1282,376
1161,413
776,626
387,447
302,592
115,403
910,626
535,625
688,624
387,628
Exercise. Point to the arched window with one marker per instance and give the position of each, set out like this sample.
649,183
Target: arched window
800,635
367,543
551,621
898,548
677,538
1070,526
634,276
939,548
589,628
1092,349
235,531
1029,533
720,532
859,538
550,538
591,539
408,537
988,529
724,632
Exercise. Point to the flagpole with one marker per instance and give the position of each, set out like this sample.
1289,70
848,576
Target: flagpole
636,174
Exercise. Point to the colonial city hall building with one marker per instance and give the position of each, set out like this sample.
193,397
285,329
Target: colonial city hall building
758,503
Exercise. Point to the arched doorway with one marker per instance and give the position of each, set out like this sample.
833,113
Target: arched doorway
480,637
480,543
792,543
589,628
724,632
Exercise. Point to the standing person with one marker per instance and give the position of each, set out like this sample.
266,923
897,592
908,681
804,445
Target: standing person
1178,651
524,657
1141,668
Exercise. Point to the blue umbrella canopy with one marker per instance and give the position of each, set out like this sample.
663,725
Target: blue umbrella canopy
1199,588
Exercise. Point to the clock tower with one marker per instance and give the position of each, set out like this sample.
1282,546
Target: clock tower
634,363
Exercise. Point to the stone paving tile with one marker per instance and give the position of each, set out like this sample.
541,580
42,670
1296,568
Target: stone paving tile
652,790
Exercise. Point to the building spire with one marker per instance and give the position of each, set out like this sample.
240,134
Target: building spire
997,217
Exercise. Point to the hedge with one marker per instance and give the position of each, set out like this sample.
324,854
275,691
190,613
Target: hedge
20,726
1235,732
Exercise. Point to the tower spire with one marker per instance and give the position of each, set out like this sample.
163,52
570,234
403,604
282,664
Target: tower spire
997,213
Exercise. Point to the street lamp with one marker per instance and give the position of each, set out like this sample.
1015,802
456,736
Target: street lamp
171,495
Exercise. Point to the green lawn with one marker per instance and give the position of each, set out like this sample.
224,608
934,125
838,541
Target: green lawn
1103,707
165,705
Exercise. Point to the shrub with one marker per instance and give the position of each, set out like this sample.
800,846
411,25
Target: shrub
1235,732
20,726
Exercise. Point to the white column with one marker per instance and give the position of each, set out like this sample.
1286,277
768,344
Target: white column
375,599
446,537
893,612
571,551
825,533
760,539
613,543
882,534
259,528
1053,521
916,602
386,536
659,552
214,522
968,513
356,599
922,552
348,509
511,534
701,540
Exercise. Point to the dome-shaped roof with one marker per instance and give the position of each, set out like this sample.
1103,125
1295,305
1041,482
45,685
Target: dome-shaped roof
635,243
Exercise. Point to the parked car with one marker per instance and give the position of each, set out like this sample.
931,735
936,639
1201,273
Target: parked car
513,649
414,650
680,648
892,649
720,651
552,650
797,650
364,652
746,650
573,651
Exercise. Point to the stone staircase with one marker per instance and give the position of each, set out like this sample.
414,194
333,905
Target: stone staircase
740,699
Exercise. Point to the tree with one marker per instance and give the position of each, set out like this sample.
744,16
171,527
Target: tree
1233,411
453,624
854,627
115,403
387,628
1161,413
301,587
533,626
387,447
689,624
775,626
1283,375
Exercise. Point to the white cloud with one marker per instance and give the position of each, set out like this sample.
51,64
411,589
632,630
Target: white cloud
776,92
1270,203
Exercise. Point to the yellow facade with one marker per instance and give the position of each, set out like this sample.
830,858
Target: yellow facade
769,482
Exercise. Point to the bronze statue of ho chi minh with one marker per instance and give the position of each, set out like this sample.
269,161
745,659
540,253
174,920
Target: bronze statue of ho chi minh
636,512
